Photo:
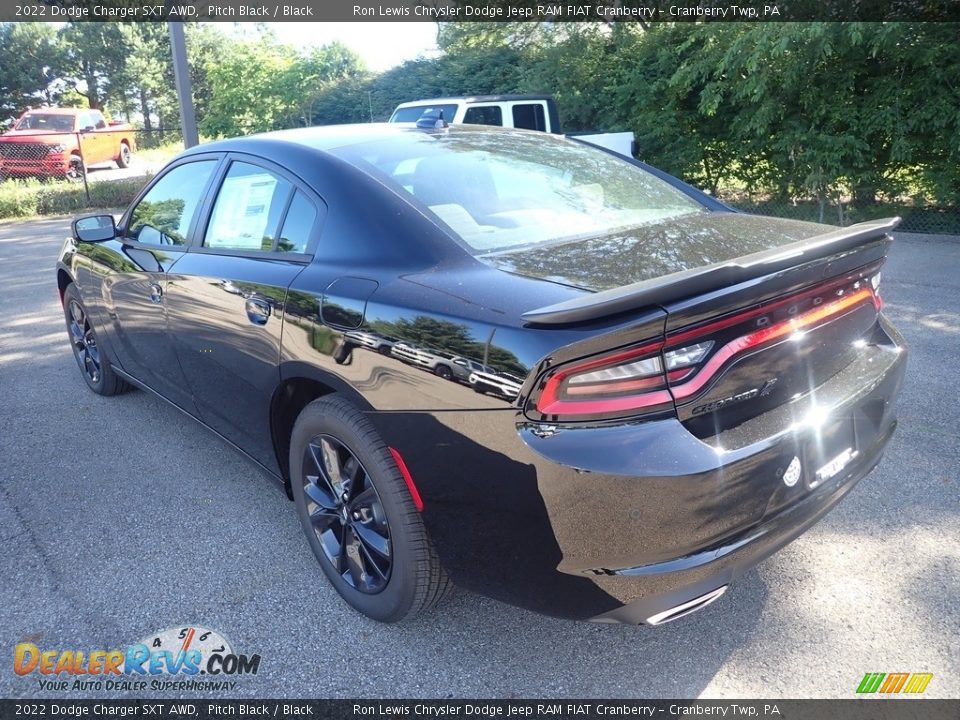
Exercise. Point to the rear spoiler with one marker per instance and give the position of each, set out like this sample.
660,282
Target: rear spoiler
686,283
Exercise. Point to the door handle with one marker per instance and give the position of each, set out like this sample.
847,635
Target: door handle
258,311
156,293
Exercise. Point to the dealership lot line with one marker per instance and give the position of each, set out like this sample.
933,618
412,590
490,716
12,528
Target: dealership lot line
120,517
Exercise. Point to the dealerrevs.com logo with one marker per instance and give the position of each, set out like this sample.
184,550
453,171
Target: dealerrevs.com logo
180,658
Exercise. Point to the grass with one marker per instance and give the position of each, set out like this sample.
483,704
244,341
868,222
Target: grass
29,198
160,154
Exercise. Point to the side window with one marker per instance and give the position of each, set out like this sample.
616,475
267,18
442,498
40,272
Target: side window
483,115
529,117
97,121
295,233
164,214
248,209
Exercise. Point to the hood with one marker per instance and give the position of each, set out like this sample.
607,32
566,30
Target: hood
40,136
652,251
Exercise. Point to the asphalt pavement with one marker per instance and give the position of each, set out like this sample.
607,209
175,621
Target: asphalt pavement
120,517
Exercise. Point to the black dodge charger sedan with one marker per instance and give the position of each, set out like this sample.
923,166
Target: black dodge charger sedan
657,392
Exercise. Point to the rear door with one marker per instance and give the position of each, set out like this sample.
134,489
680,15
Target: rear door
226,297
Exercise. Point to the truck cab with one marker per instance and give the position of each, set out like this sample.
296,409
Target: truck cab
527,112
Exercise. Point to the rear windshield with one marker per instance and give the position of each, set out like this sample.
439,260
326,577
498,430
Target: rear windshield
412,114
501,191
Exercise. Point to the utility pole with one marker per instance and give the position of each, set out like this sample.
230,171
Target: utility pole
181,75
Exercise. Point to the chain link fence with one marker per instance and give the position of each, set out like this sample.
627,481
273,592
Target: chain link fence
918,216
65,170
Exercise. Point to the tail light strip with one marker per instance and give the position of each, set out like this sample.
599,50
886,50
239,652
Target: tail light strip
634,387
768,334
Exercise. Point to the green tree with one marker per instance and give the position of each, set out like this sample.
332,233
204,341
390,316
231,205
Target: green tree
33,60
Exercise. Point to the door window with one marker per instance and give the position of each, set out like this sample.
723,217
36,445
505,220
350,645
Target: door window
483,115
248,209
164,214
529,117
295,233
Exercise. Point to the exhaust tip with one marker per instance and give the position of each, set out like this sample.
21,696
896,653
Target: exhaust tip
691,606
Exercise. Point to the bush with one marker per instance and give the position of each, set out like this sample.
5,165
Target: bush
26,198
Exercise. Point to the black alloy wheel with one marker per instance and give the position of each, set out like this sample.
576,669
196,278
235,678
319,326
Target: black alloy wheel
92,358
347,514
359,514
84,342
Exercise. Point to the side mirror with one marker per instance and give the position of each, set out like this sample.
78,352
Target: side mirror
88,128
94,228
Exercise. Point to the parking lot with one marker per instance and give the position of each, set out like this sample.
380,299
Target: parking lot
120,517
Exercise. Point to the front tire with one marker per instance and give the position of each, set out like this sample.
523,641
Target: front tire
358,515
91,358
76,170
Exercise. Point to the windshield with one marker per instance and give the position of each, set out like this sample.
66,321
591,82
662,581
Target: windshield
412,114
499,191
46,121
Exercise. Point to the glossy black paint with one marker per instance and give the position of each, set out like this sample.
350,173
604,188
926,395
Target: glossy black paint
613,520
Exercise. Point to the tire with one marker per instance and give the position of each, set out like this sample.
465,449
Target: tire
76,170
92,359
123,159
389,588
384,350
443,371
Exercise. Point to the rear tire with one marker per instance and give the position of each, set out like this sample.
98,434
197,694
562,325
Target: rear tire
123,159
92,359
443,371
358,515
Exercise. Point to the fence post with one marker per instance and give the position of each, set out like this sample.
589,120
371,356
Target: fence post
83,167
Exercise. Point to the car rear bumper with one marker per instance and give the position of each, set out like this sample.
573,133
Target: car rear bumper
624,522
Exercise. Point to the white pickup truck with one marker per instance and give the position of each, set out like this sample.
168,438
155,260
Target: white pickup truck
531,112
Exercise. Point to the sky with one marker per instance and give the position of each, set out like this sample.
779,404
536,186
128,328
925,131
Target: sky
382,45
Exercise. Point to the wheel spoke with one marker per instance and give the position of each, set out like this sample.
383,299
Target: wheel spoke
319,495
351,555
315,456
352,476
76,312
372,562
367,534
322,518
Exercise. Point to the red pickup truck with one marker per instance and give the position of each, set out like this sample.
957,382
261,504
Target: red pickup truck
63,142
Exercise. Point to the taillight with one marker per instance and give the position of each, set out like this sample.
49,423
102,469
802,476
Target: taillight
845,300
650,378
628,380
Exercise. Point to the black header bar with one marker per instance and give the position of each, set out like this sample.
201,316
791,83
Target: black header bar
607,11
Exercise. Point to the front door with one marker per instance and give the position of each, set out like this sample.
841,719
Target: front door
153,238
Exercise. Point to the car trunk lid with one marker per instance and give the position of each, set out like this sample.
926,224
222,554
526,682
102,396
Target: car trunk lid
742,334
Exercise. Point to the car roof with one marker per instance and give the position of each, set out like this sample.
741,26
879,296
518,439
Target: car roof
473,99
330,137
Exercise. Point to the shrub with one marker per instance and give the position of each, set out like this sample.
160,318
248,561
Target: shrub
26,198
